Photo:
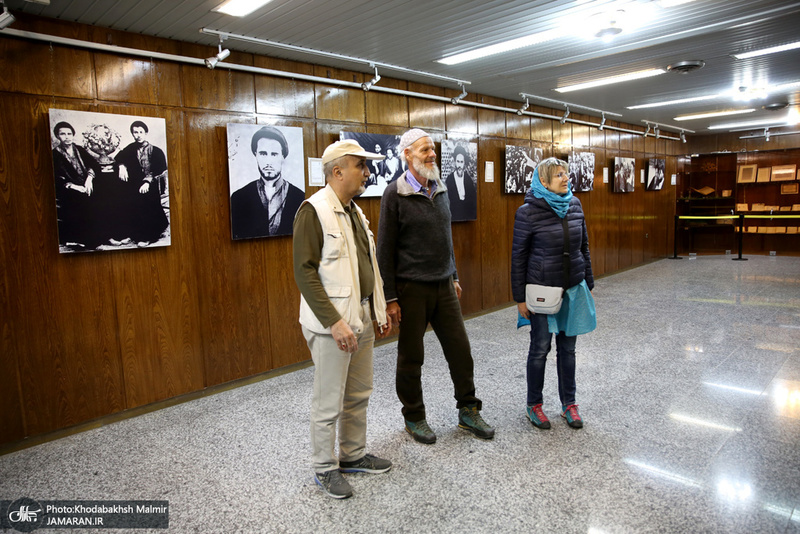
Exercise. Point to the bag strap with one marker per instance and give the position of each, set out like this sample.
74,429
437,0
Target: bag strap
565,258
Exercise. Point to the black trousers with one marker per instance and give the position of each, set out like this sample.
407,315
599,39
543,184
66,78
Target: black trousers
434,303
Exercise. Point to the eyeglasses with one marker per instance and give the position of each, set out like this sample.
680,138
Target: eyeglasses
562,175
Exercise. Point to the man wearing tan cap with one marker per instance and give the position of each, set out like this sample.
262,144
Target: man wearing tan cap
421,285
341,288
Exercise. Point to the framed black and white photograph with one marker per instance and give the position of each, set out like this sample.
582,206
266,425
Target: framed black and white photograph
111,177
655,174
624,175
460,176
520,164
381,173
581,171
266,171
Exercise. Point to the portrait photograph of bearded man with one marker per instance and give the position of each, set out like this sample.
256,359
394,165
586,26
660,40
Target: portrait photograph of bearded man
459,169
267,179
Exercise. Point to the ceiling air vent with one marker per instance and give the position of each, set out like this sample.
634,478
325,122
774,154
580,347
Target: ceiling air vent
685,67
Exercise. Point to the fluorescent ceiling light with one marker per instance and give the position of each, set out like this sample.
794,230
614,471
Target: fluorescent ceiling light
770,50
613,79
240,8
713,114
762,122
499,48
674,102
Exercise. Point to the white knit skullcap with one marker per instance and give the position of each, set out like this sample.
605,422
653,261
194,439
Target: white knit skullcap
411,137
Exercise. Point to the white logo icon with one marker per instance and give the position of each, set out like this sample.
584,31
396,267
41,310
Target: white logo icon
24,514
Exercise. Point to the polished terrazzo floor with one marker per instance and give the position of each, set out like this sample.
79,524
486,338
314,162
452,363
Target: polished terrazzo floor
690,390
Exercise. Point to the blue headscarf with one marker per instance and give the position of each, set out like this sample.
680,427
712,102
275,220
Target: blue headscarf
559,203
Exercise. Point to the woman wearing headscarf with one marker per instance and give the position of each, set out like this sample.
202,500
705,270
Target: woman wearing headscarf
537,257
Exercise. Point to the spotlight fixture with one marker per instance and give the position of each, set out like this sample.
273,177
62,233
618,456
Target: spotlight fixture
602,123
6,18
766,135
368,85
683,136
524,107
647,131
457,99
657,132
566,114
211,62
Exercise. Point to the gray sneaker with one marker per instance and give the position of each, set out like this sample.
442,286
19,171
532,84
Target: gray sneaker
469,418
367,464
334,484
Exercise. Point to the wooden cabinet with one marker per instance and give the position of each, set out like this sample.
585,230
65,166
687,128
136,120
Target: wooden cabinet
710,187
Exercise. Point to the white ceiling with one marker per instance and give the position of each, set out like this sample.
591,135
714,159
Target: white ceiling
415,33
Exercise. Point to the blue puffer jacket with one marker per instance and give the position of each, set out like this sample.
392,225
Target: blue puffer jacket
538,247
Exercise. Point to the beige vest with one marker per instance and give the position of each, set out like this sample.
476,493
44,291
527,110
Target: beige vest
338,267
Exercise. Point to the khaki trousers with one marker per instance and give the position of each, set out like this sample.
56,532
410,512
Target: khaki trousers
342,386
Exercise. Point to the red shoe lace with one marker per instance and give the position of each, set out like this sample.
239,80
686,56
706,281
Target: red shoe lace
573,412
539,413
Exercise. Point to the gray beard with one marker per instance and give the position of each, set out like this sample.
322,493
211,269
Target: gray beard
428,174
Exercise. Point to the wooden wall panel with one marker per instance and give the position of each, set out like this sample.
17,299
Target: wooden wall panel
64,317
220,88
60,71
491,122
580,133
542,129
494,227
597,138
386,108
157,313
518,126
233,300
139,81
339,103
612,138
284,96
426,114
287,344
461,119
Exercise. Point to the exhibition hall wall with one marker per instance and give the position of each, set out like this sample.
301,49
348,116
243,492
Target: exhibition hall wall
87,335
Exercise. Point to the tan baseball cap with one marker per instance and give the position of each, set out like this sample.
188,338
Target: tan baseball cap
348,147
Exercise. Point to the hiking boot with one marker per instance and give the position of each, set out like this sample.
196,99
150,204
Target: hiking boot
537,416
421,432
334,484
367,464
469,418
570,413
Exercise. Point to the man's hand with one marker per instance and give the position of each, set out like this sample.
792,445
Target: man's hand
457,286
523,310
344,336
393,311
145,188
382,331
123,173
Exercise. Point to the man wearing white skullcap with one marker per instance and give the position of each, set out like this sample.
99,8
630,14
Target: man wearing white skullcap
415,256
